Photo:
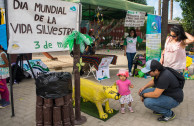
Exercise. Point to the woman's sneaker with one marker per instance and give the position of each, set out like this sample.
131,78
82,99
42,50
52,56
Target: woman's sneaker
5,103
165,119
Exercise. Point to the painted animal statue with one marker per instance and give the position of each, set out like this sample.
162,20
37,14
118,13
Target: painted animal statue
98,94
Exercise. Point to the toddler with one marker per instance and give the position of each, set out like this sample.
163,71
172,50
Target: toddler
123,85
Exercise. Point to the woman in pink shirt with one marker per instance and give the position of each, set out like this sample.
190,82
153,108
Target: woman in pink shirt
174,54
123,85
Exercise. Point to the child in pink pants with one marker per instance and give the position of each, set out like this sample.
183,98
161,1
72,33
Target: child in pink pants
4,73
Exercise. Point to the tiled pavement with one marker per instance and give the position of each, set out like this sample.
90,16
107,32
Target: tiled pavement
24,101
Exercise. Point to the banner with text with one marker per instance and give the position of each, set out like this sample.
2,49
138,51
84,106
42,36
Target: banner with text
40,25
153,37
134,18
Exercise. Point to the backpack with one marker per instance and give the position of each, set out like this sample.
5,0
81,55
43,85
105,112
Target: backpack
180,77
19,74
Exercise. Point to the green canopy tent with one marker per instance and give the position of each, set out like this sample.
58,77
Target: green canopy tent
111,9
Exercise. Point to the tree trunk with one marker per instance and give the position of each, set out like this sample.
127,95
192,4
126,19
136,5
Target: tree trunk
76,59
159,7
171,9
164,22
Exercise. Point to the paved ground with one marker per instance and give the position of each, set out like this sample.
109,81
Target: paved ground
24,100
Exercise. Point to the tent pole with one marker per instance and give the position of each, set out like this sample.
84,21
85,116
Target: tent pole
30,67
9,59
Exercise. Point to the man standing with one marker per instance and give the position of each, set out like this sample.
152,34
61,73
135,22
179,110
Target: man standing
165,92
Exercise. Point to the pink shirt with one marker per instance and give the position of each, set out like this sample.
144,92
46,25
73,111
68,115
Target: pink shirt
124,87
175,55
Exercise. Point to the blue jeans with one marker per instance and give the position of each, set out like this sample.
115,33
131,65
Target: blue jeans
162,104
130,57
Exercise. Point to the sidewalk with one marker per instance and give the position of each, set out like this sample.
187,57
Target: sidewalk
25,100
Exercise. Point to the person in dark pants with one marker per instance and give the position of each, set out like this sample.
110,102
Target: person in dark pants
130,47
165,92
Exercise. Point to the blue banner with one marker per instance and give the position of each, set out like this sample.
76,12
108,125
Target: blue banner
153,37
3,36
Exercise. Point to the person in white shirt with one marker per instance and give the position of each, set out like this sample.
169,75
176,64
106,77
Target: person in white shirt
130,47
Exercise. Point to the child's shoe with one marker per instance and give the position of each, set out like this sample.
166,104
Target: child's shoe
1,107
1,101
131,110
123,110
5,103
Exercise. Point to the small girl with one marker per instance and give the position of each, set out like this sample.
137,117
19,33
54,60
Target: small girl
123,85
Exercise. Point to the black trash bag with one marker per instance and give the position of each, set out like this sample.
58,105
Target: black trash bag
54,85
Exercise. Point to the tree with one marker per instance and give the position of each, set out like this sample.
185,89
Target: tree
159,7
171,9
188,14
164,24
177,18
139,1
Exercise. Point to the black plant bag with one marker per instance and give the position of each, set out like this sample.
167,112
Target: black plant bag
54,85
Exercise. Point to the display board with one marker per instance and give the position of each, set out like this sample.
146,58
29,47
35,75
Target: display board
40,25
153,37
103,68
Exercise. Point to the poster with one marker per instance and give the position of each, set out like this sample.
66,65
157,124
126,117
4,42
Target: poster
37,65
3,36
153,37
102,74
103,68
134,19
40,25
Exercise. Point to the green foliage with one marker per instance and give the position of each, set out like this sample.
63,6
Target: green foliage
188,47
139,1
177,18
188,14
107,40
141,46
143,28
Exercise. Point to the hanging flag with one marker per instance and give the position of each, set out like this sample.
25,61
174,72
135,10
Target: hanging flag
153,37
